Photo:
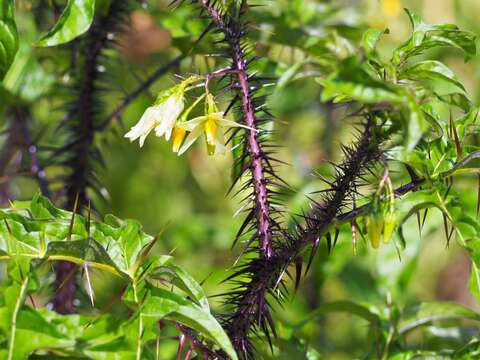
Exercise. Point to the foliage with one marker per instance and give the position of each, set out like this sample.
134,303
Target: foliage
407,172
36,233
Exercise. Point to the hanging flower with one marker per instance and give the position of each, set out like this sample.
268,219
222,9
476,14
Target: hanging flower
162,115
211,124
179,130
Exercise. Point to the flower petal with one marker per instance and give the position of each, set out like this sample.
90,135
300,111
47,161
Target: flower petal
229,123
190,139
191,124
144,126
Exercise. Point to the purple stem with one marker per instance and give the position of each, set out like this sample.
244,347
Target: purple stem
260,191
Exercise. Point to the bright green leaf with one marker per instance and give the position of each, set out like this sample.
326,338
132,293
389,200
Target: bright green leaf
75,20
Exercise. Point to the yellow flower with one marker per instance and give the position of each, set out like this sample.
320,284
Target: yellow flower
177,138
391,8
211,125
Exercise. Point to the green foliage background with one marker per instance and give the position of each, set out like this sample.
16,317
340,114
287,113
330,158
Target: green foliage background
182,199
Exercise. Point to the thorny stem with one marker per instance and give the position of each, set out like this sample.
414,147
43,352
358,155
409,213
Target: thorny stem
81,159
197,344
22,116
252,309
260,191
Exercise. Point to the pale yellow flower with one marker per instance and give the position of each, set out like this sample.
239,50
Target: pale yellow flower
177,138
212,125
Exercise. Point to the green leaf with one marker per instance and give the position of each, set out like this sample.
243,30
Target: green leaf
350,307
370,39
75,20
165,304
469,164
33,332
430,70
85,251
8,36
429,312
353,82
289,74
186,282
26,79
474,281
426,36
457,99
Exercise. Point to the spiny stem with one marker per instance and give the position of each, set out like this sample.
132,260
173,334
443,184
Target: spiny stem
260,190
22,116
252,309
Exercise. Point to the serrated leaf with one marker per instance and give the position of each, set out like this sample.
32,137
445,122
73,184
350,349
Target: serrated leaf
75,20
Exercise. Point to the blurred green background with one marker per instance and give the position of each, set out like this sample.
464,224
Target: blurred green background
183,199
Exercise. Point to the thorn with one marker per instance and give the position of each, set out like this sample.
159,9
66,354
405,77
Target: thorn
458,146
354,238
89,218
189,352
181,344
315,245
478,195
72,220
30,297
69,275
337,232
419,223
89,284
298,271
329,242
8,226
445,227
424,217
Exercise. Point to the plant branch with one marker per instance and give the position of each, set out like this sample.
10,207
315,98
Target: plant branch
266,275
22,116
260,190
142,87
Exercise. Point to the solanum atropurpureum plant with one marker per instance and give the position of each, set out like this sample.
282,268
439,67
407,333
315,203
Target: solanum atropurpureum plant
411,117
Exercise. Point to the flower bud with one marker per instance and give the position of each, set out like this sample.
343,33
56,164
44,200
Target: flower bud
374,230
390,223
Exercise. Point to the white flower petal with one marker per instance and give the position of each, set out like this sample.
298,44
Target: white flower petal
190,139
144,126
228,123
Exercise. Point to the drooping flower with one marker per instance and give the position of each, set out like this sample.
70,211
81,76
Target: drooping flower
163,114
179,130
211,124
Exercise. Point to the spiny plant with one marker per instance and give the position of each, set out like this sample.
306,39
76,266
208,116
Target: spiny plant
404,124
